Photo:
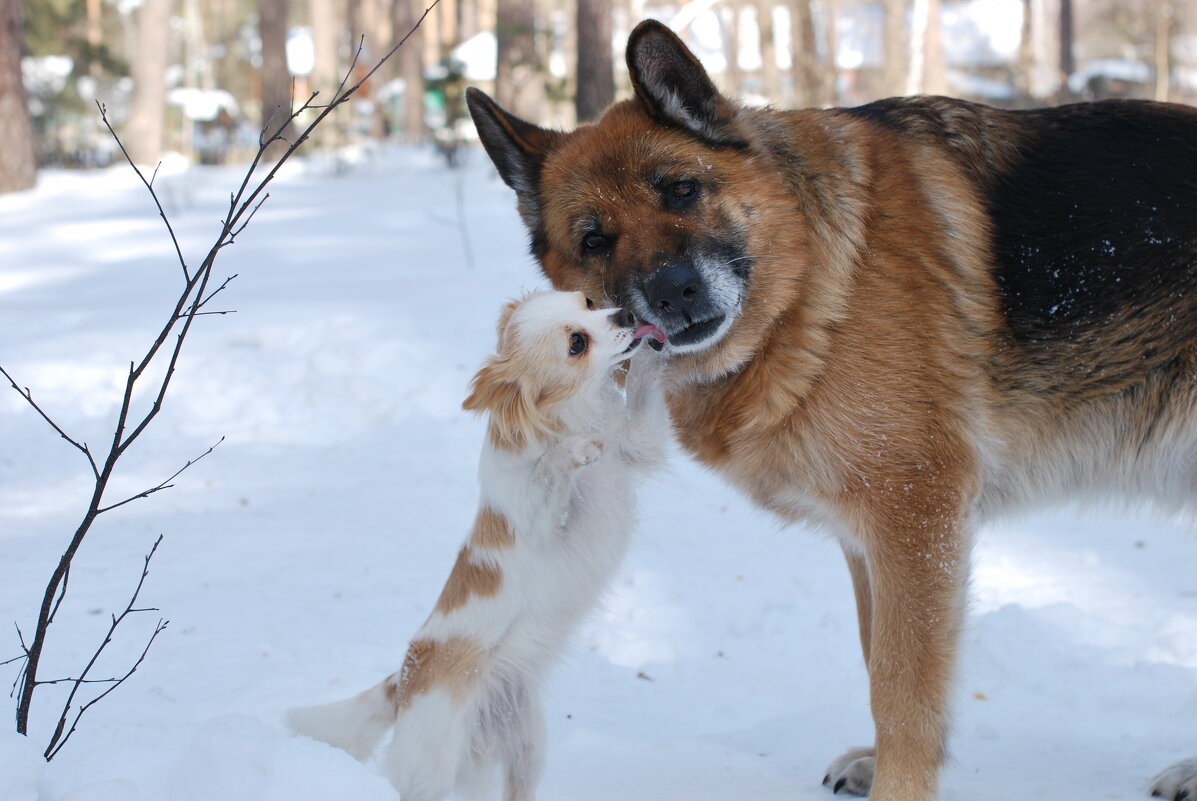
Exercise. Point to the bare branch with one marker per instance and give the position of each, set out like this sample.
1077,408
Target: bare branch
52,750
66,579
243,205
160,486
213,294
58,739
150,186
28,396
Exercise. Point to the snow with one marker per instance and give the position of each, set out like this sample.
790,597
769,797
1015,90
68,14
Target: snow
300,555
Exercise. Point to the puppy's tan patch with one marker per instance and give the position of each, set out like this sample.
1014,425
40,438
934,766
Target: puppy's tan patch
491,530
469,578
451,664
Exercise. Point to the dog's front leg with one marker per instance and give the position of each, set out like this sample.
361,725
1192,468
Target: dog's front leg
556,476
910,580
642,439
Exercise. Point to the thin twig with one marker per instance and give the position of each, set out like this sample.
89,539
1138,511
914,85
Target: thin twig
243,204
162,485
216,292
28,396
150,186
66,579
58,739
51,751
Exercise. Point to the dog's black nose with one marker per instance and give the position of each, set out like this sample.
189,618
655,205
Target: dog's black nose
673,289
623,318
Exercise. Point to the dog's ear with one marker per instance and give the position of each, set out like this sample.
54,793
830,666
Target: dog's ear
519,412
516,147
675,88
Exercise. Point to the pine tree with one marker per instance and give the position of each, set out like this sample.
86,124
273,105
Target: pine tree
18,165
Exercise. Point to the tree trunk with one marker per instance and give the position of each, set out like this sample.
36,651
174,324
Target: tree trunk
143,131
1163,50
1067,59
18,166
733,78
326,63
596,75
519,84
804,57
374,21
895,67
831,70
411,68
276,79
928,70
770,78
1025,65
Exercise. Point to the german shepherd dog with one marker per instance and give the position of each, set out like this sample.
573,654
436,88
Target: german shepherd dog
896,321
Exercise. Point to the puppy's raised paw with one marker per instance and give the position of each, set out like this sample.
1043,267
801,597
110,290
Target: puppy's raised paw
1177,782
585,452
852,772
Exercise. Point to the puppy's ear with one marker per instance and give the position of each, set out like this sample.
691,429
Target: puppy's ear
674,87
519,412
516,147
505,320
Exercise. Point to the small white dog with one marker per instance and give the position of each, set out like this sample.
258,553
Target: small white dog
557,474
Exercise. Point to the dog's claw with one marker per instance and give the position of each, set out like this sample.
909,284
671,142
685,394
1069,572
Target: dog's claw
839,786
827,780
1183,795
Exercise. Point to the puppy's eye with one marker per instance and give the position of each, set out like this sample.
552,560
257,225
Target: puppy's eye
595,243
577,343
683,189
589,304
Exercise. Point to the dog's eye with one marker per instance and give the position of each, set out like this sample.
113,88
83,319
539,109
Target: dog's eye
590,304
680,194
577,343
595,243
683,189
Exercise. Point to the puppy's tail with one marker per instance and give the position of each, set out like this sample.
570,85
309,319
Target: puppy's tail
354,725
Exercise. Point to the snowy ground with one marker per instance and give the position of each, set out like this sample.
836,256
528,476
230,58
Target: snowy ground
302,553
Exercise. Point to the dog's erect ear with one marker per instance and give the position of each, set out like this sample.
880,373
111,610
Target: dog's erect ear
675,88
516,147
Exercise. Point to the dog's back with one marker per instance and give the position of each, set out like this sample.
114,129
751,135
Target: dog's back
1094,251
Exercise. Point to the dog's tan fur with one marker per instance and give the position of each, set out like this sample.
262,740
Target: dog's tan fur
876,380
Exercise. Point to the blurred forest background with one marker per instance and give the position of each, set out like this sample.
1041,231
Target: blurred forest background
196,80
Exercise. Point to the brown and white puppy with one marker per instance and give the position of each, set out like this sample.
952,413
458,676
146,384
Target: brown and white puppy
564,449
898,321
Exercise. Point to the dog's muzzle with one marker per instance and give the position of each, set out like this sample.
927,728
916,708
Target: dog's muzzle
680,303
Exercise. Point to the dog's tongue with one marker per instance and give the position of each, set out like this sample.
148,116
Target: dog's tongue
648,329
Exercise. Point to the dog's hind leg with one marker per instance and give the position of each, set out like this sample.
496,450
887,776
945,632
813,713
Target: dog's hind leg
522,747
1178,782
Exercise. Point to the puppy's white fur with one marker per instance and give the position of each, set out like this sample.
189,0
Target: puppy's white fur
563,451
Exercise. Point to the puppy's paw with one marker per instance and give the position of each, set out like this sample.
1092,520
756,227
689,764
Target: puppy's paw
646,372
852,772
1177,782
584,452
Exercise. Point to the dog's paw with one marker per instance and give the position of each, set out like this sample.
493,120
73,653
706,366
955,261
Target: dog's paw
646,372
852,772
585,452
1177,782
